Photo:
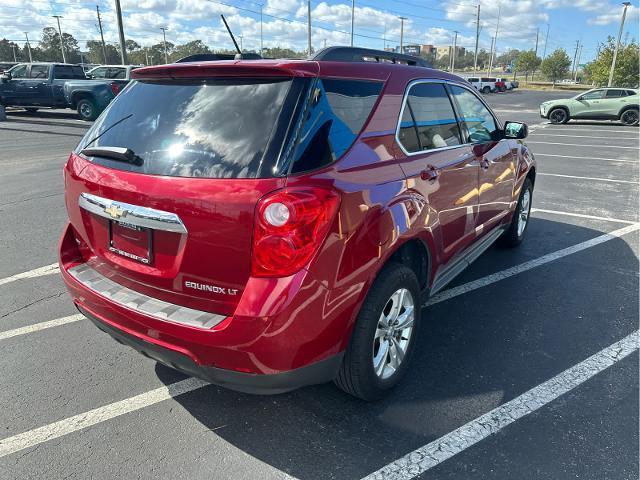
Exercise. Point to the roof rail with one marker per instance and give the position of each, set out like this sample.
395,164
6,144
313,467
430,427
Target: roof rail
357,54
208,57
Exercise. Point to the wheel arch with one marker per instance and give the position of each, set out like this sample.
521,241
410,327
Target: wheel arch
80,95
628,107
562,106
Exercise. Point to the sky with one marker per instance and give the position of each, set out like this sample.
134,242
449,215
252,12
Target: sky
377,22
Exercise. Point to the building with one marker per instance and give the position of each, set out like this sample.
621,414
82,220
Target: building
446,50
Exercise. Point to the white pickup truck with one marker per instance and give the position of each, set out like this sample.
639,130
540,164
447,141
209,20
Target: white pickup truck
483,84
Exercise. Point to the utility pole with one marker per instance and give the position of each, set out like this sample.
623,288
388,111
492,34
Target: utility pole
453,56
64,57
123,51
615,52
241,47
28,47
353,18
489,67
309,28
261,45
546,39
475,55
164,43
146,55
104,46
575,76
494,49
402,19
13,47
575,55
384,36
537,33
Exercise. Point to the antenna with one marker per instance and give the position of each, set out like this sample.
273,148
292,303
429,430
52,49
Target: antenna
231,35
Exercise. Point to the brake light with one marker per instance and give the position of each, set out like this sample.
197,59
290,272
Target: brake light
115,88
291,225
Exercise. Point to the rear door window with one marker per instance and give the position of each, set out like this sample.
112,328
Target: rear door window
336,111
428,120
215,128
615,93
481,125
39,71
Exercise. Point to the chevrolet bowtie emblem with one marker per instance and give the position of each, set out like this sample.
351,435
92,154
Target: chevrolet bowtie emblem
114,211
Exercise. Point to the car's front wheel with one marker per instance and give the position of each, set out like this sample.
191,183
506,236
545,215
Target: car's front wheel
558,116
486,90
384,335
514,235
87,109
630,117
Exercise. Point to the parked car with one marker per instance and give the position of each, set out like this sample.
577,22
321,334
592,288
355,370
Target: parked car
506,82
112,72
500,85
54,85
596,104
483,84
271,224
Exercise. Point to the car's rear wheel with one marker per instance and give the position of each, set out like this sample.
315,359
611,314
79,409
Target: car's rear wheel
514,235
486,89
558,115
630,117
383,338
87,109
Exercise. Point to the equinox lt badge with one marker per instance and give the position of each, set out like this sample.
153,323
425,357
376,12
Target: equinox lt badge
211,288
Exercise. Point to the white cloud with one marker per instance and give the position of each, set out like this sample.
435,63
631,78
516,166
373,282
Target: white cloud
615,17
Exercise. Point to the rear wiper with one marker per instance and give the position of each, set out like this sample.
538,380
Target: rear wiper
108,128
122,154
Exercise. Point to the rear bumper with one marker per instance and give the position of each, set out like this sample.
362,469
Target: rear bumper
319,372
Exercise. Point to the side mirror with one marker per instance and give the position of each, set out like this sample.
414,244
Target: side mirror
515,130
5,77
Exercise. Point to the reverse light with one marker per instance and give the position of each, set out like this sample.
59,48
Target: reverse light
291,225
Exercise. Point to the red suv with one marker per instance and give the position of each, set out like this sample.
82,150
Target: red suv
270,224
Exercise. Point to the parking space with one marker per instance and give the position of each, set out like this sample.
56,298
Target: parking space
527,365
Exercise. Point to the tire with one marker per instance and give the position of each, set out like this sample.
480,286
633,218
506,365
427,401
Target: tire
558,116
514,235
31,109
629,117
503,89
486,89
357,375
87,109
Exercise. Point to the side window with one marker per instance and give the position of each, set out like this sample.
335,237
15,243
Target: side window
615,93
335,115
78,72
596,94
480,123
428,120
631,92
99,72
39,71
62,72
19,72
116,73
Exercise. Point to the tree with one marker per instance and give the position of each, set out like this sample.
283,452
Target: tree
131,46
96,55
556,65
6,51
508,57
50,46
627,69
277,52
191,48
527,62
443,63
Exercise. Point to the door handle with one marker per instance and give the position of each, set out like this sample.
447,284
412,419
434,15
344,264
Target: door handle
484,163
429,173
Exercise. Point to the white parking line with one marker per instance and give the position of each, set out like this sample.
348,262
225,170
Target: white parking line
38,272
586,158
581,145
581,215
547,134
69,425
40,326
572,128
428,456
523,267
596,179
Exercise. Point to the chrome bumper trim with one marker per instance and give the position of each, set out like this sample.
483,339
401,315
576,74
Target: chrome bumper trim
132,214
141,303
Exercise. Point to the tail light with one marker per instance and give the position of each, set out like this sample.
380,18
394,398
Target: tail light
115,88
291,225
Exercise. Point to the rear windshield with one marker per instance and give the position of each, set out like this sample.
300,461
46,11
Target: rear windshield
212,129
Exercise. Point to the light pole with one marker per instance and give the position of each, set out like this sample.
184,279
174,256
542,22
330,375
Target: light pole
453,55
123,50
353,18
164,43
28,47
615,52
261,45
13,47
546,39
58,17
402,19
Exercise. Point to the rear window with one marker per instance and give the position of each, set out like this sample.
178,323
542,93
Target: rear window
65,72
212,129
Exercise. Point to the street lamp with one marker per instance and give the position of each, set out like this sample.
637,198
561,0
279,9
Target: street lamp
615,51
58,17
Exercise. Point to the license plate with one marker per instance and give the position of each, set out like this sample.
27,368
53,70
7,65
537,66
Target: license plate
131,241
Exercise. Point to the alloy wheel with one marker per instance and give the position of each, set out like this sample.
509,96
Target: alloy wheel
86,110
393,333
558,116
630,117
523,214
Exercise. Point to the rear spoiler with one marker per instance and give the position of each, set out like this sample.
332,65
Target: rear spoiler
237,68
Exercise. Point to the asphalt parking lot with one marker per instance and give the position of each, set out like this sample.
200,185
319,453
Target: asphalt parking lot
527,367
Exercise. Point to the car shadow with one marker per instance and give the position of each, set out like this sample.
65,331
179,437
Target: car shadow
45,117
599,123
474,353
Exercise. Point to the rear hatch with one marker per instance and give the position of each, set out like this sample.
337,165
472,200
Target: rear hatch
163,187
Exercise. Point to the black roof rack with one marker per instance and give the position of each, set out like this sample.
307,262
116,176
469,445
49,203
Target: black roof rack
208,57
357,54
